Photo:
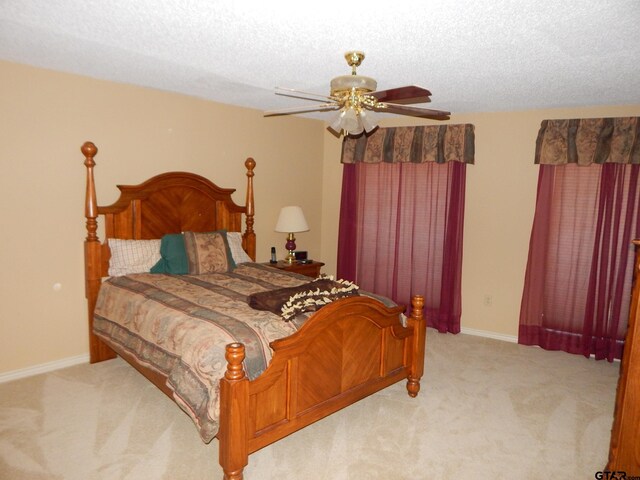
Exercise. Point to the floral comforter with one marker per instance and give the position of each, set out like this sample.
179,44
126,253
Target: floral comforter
179,325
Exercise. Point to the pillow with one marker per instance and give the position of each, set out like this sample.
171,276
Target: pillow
235,245
132,256
309,297
208,252
174,256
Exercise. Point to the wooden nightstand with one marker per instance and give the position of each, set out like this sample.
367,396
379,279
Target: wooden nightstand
309,269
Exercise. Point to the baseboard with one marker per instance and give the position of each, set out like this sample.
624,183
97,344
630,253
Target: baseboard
43,368
487,334
505,338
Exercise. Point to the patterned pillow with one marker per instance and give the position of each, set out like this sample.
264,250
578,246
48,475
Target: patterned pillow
132,256
235,245
208,252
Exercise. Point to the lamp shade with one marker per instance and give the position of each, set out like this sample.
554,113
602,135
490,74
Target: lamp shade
291,220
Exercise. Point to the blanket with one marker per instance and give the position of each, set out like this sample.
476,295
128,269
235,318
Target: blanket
179,325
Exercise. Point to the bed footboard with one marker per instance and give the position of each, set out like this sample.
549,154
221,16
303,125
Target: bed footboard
345,352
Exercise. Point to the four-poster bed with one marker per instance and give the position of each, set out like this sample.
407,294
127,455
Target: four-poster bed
342,353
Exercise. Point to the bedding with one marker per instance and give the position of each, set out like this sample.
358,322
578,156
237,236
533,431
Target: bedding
208,252
173,256
309,297
173,253
235,245
132,256
179,326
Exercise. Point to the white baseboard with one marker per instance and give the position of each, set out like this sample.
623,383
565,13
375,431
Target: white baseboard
487,334
504,338
43,368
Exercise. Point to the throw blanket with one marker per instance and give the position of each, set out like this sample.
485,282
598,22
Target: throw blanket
309,297
179,325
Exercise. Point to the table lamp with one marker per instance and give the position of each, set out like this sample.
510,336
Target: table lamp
291,220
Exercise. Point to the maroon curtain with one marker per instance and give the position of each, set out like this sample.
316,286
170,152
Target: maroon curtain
401,227
579,272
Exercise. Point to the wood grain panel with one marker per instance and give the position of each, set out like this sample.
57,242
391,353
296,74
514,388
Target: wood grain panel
176,210
171,203
270,405
624,449
348,355
394,354
362,351
318,370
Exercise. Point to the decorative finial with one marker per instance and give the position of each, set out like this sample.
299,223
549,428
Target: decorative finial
250,164
89,150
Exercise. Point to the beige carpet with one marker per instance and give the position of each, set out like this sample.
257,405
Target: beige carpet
487,410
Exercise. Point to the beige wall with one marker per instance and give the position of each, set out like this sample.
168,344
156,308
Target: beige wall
46,116
141,132
499,207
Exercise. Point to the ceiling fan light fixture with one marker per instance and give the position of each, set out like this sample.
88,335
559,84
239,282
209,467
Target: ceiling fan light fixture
368,120
336,124
358,131
345,83
352,121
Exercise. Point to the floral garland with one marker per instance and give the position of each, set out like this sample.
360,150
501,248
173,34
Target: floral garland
312,300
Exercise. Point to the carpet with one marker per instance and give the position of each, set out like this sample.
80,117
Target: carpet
487,410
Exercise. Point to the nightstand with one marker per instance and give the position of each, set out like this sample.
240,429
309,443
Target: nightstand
311,269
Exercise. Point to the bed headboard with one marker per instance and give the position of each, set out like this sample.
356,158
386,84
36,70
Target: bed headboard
171,202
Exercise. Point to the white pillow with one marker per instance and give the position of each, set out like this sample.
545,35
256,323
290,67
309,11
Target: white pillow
132,256
234,239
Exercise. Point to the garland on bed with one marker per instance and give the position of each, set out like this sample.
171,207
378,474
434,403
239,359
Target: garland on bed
312,300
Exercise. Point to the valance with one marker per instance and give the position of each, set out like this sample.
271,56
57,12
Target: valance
438,143
589,140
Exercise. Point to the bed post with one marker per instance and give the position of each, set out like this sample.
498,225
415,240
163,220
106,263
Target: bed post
234,413
98,351
418,340
249,236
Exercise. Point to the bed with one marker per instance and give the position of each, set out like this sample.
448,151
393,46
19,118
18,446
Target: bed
333,357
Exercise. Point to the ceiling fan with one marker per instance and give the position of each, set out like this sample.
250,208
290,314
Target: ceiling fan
355,96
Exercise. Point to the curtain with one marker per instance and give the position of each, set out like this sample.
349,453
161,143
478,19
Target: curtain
589,140
439,144
401,217
580,266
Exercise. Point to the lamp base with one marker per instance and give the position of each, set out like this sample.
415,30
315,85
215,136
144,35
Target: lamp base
290,258
290,246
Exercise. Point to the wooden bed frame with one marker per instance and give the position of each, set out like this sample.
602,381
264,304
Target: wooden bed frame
344,352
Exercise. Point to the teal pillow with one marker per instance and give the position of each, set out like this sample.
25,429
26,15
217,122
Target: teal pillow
173,256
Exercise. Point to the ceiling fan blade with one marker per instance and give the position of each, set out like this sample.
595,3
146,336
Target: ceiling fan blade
290,92
413,111
308,108
403,95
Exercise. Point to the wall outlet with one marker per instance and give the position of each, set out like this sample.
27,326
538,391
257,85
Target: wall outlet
487,300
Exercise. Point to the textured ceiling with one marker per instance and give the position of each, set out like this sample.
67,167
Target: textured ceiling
474,56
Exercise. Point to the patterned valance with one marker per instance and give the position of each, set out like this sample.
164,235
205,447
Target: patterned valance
439,143
589,140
